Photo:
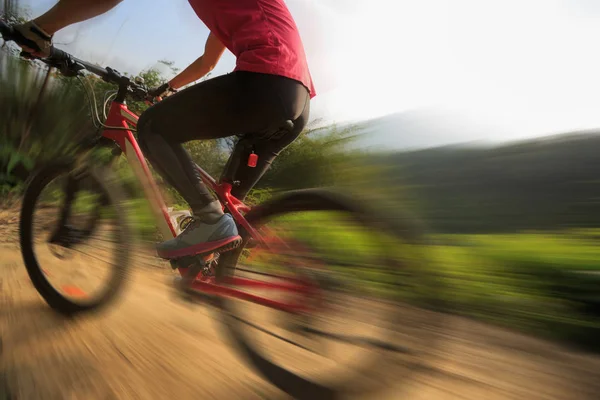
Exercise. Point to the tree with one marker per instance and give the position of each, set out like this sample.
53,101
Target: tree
12,13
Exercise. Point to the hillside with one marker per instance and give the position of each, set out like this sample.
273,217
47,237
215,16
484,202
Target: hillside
546,183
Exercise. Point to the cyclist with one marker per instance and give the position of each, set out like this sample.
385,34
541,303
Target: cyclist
270,85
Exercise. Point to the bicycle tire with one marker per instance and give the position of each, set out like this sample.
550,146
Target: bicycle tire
40,179
299,201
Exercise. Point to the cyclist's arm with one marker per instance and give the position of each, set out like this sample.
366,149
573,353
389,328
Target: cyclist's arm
64,13
213,50
68,12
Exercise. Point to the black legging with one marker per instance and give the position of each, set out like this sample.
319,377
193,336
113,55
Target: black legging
240,103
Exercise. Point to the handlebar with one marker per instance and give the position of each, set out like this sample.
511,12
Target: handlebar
57,56
71,66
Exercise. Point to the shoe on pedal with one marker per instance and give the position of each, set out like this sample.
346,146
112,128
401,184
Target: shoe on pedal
202,238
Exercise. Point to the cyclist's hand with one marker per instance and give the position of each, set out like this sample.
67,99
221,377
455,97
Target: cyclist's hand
163,90
33,39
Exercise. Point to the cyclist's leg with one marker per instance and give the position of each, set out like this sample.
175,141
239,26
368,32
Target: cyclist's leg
176,167
219,107
266,150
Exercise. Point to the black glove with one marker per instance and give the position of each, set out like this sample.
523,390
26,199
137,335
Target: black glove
162,91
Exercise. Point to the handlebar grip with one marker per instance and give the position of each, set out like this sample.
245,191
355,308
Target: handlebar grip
6,31
58,58
10,33
58,55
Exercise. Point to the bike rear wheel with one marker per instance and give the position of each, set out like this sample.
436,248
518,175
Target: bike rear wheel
381,273
73,228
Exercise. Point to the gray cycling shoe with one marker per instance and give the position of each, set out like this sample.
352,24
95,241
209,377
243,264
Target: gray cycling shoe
202,238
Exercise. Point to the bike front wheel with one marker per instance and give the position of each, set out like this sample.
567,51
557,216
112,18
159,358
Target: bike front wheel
367,326
74,236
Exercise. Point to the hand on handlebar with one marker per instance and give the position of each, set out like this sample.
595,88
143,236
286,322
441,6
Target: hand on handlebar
163,90
33,40
37,44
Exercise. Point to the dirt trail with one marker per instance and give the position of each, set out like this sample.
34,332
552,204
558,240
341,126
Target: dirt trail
153,346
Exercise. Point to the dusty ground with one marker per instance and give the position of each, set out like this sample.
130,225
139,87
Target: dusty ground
153,346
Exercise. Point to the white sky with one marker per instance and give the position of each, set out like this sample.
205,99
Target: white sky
527,67
532,66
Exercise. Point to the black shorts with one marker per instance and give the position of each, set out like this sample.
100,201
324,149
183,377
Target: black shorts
240,103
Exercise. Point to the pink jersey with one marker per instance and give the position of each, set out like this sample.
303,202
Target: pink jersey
261,34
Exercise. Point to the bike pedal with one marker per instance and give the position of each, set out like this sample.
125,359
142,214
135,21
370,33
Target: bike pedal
228,247
231,246
183,262
188,261
207,259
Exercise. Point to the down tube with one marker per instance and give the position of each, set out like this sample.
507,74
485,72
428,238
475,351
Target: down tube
141,170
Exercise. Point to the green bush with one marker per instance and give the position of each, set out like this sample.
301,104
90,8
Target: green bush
532,282
37,125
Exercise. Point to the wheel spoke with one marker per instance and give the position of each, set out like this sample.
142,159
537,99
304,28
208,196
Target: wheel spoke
357,340
270,333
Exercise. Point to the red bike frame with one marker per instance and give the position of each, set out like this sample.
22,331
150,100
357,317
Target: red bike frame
120,116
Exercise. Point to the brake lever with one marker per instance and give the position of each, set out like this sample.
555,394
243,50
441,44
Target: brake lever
137,92
71,70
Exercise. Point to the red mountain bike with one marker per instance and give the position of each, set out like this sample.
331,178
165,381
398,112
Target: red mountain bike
359,270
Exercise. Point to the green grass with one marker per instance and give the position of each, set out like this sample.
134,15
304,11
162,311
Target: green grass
566,250
529,281
538,283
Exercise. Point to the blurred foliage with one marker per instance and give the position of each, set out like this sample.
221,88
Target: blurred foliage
541,283
44,116
35,127
12,12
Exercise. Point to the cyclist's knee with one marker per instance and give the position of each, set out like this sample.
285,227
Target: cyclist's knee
144,130
142,123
